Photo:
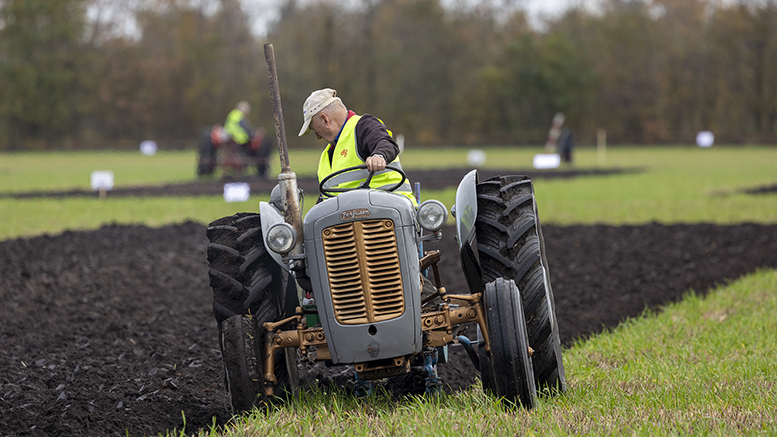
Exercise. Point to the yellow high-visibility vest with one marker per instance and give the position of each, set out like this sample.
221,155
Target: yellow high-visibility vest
233,128
345,155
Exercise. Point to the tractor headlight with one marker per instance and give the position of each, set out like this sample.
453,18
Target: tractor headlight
281,238
431,215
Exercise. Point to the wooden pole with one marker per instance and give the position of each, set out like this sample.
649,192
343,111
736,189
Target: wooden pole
601,147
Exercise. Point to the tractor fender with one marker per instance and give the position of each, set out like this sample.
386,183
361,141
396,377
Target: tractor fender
466,212
270,215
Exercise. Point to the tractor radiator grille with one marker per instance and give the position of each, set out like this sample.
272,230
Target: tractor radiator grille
363,268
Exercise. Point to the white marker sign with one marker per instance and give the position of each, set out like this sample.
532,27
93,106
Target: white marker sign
102,180
546,160
237,192
705,138
476,157
148,148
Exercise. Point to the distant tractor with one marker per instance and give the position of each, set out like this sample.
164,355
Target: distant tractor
348,286
216,150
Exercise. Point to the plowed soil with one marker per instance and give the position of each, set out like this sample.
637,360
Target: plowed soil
110,331
432,179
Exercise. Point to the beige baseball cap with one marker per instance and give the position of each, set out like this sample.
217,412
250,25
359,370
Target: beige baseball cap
243,106
317,101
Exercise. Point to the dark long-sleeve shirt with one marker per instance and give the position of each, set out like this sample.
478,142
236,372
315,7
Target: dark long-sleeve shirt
372,138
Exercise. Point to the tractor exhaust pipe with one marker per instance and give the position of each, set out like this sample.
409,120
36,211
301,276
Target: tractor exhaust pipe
287,180
277,110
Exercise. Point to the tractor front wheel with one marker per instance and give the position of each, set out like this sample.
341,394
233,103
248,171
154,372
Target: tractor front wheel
249,289
509,367
242,363
510,246
486,370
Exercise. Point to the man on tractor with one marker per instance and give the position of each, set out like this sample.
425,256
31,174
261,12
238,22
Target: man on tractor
255,143
237,126
353,140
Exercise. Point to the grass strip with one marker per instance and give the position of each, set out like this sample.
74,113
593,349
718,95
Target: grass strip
704,366
24,218
679,185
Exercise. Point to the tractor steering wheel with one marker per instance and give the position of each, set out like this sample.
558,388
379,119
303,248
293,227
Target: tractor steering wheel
331,192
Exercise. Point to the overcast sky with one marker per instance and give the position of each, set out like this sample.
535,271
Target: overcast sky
264,11
537,8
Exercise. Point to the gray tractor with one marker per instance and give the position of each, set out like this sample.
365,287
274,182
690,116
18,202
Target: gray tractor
348,285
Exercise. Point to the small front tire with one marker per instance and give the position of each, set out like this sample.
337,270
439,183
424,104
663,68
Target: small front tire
248,285
510,368
242,363
510,245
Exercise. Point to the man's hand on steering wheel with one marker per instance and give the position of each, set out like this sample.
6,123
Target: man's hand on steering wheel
334,191
375,163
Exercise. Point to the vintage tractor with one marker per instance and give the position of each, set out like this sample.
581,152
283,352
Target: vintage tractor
216,149
378,304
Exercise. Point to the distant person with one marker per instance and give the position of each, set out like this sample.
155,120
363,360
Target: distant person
256,144
353,140
237,126
566,142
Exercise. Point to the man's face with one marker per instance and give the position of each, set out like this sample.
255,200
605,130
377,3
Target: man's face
323,126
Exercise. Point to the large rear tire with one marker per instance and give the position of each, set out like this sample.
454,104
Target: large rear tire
510,365
247,282
510,245
206,154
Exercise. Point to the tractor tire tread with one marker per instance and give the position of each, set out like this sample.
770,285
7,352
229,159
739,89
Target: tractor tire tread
509,246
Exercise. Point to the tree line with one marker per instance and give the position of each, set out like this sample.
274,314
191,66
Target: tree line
646,71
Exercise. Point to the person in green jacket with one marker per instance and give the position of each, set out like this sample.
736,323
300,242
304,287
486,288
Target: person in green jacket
255,143
353,140
237,126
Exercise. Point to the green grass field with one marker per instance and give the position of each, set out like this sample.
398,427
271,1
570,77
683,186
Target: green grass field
673,185
704,366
